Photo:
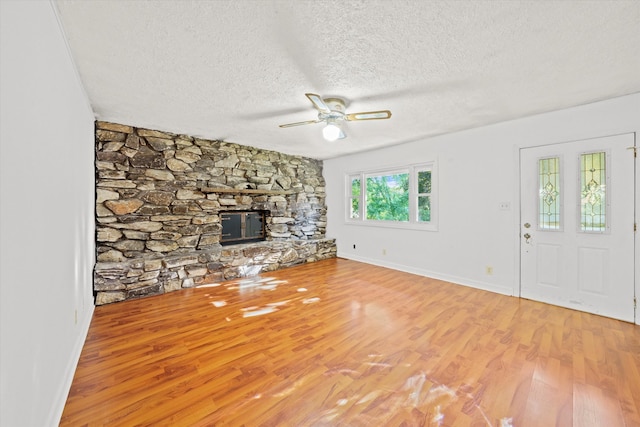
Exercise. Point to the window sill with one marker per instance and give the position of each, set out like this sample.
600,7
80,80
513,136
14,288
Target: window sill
391,224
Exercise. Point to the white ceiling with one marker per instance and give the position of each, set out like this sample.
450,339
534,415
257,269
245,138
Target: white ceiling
236,69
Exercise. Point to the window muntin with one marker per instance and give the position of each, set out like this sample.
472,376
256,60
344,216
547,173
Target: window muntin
401,197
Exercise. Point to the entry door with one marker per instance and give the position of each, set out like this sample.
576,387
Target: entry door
577,225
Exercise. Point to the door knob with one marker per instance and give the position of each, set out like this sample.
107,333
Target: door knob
526,236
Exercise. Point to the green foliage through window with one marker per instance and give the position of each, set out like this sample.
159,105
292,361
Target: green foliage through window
388,197
424,195
399,196
355,197
424,208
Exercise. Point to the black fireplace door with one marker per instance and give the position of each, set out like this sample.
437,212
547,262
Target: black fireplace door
254,225
242,227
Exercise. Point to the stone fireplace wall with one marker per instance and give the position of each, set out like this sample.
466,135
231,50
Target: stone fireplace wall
158,198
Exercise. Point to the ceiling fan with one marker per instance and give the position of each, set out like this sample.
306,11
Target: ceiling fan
332,112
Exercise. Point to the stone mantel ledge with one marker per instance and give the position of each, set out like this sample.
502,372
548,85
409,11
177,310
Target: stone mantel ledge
134,278
244,191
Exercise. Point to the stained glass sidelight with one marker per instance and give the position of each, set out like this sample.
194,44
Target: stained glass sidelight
549,194
593,206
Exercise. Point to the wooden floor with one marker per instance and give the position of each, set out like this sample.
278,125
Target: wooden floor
341,343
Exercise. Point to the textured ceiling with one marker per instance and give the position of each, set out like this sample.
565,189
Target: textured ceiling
236,69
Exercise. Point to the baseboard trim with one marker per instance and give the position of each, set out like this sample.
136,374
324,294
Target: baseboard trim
63,391
484,286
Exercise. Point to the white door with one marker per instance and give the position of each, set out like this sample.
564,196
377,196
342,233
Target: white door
577,225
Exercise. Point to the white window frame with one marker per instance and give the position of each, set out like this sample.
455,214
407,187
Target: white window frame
413,222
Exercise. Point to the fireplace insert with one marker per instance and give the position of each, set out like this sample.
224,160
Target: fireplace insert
242,227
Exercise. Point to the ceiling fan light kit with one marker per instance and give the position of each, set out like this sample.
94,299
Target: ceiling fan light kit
332,131
331,111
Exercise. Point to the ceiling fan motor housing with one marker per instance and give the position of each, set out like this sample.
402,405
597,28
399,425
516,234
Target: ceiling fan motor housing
337,107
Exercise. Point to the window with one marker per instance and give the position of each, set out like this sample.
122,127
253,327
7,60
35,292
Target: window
593,185
402,197
424,194
592,193
387,196
355,199
549,196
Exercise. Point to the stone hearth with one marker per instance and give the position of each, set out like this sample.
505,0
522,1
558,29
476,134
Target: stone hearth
158,199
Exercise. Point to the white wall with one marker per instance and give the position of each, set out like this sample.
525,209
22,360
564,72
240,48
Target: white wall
46,215
477,170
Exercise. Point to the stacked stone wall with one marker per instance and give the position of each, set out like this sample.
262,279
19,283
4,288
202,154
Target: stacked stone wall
158,199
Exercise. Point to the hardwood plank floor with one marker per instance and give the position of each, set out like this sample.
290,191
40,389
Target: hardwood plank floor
340,342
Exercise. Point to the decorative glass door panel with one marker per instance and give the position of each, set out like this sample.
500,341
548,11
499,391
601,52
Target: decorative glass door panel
593,185
549,203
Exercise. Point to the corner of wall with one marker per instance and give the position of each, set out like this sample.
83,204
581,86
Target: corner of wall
60,399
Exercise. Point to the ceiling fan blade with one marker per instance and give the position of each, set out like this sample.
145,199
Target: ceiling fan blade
308,122
318,102
369,115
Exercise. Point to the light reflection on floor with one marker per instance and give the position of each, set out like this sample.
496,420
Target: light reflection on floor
255,284
417,391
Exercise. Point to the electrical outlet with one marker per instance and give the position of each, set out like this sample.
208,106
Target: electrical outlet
384,252
489,270
504,206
